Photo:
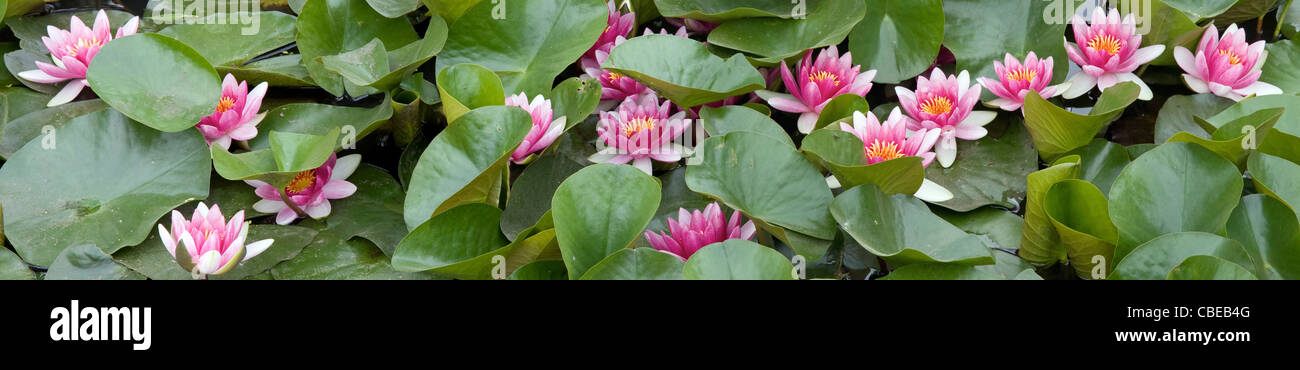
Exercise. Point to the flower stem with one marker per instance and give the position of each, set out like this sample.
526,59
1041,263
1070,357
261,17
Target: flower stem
287,201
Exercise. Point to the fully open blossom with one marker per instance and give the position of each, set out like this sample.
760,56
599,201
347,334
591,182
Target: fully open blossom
640,131
1017,80
212,246
889,141
1109,50
236,117
694,230
817,83
72,50
615,87
311,190
1227,66
544,131
945,102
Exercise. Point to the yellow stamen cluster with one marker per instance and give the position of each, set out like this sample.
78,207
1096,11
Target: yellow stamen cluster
225,104
81,44
1233,58
638,125
820,76
884,150
1022,74
1109,44
936,105
304,180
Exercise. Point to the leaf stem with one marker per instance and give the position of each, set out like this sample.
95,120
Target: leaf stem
287,201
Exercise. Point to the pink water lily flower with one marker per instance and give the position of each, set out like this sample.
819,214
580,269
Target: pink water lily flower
1017,80
818,82
618,25
212,245
890,140
946,103
694,25
544,131
236,117
1227,66
72,51
694,230
615,87
1108,51
640,131
311,190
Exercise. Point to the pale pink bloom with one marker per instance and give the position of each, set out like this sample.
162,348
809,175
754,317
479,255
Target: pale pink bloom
889,141
310,190
1109,50
817,83
1016,80
1227,66
72,51
640,131
946,103
236,117
618,25
692,231
615,87
212,245
544,131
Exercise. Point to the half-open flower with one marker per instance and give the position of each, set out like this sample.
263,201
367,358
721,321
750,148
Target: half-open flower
817,83
1109,50
640,131
889,141
694,230
72,51
618,25
212,245
236,117
1017,80
544,131
946,103
310,191
1227,66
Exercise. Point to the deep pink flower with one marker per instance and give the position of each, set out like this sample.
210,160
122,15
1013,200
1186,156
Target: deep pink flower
311,190
692,231
213,246
889,141
236,117
72,51
945,102
818,82
1016,80
544,131
1108,51
639,131
1227,66
618,25
614,87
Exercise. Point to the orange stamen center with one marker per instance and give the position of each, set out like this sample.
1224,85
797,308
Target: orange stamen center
1107,43
1022,74
304,180
821,76
936,105
1233,58
225,104
884,150
637,125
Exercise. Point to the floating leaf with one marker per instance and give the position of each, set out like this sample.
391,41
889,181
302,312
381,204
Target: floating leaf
460,242
841,152
1271,235
731,118
1041,244
989,171
1277,177
12,267
718,11
1155,259
1209,268
737,260
637,264
374,212
1180,111
288,154
320,119
825,23
979,32
903,231
332,27
1101,162
231,39
1078,211
155,80
86,262
683,70
600,210
899,39
329,257
1057,131
465,87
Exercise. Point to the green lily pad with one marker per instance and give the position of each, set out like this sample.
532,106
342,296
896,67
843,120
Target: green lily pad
825,23
374,212
683,70
1155,259
451,10
374,66
575,99
1057,131
288,154
534,189
842,153
732,118
1230,141
1101,162
1009,267
151,258
541,270
1078,210
1284,139
600,210
1270,233
1041,244
465,87
20,131
353,123
155,80
718,11
979,32
1173,188
903,231
989,171
329,257
283,71
529,43
1277,177
86,262
637,264
996,228
899,39
394,8
458,243
841,109
1201,9
1170,27
1180,111
464,163
18,102
103,182
676,196
737,260
1281,67
232,43
1209,268
332,27
13,268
